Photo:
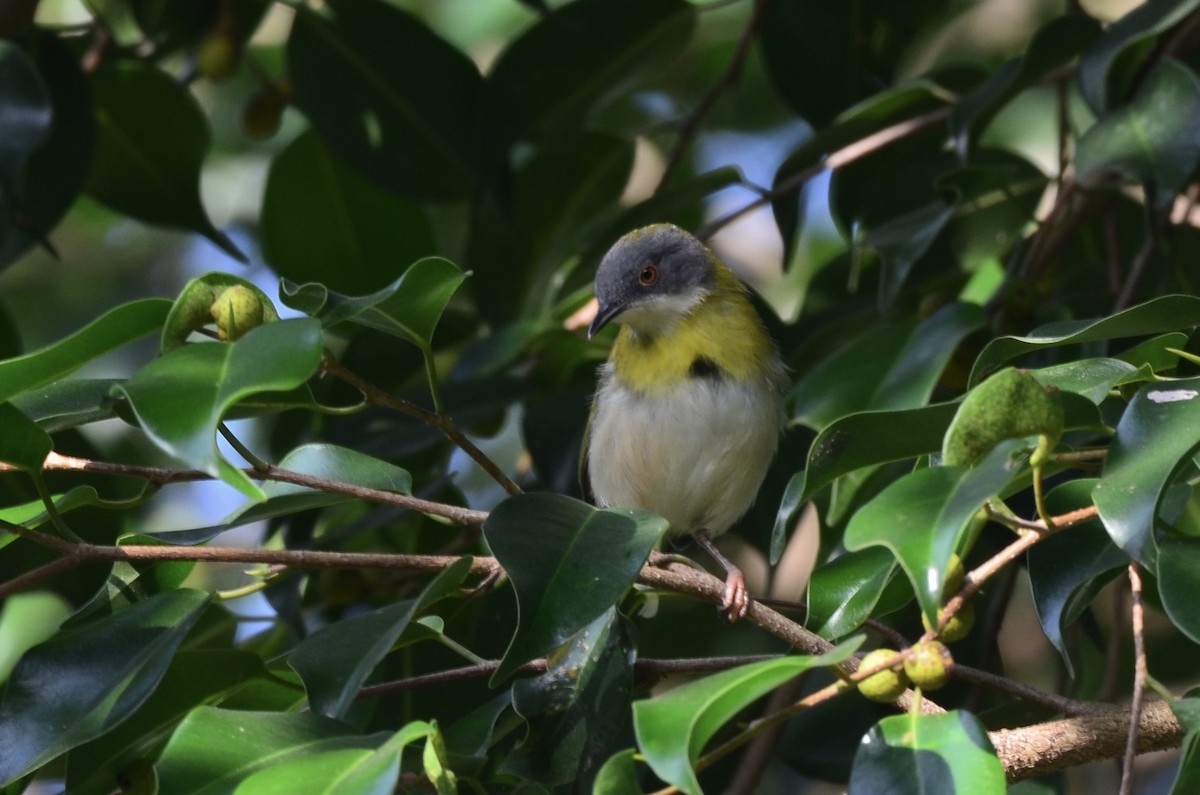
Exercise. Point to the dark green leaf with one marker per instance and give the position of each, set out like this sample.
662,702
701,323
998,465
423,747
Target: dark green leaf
1067,569
68,404
1168,313
102,672
180,398
1151,140
1102,85
1092,378
361,76
193,678
618,776
335,661
919,753
924,517
673,728
1187,712
152,143
1154,438
214,750
24,111
576,59
119,326
903,240
843,593
568,563
317,211
1178,581
22,442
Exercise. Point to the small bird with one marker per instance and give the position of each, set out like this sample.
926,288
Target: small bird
689,408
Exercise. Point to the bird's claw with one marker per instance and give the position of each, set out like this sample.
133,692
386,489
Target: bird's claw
737,599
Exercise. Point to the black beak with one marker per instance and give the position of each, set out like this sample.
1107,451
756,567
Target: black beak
605,314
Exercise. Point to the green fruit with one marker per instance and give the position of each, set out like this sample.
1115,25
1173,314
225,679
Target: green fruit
218,56
236,311
887,685
958,627
1009,405
928,665
263,113
956,575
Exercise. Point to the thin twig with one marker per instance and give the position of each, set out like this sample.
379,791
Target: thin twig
1063,704
1137,616
727,79
441,422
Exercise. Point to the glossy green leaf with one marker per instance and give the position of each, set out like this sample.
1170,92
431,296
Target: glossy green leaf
1067,569
1178,581
673,728
25,110
1187,712
568,563
345,771
27,619
894,366
22,443
153,138
54,172
1151,140
575,60
1058,42
1159,315
618,775
181,397
845,592
924,517
1154,438
916,753
903,240
193,678
317,211
1092,378
115,328
361,76
409,307
214,750
334,661
1102,84
68,404
577,712
103,671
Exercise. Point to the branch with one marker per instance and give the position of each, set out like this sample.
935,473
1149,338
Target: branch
1138,621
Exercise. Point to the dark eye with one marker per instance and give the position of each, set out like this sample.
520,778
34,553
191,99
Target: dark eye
648,276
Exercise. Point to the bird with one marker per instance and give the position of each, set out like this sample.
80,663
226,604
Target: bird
688,410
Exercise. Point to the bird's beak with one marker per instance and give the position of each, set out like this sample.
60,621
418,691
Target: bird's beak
604,314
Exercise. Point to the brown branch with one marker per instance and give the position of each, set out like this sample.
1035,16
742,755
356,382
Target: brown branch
726,80
1138,622
378,397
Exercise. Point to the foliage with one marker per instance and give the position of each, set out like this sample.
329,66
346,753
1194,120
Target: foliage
984,295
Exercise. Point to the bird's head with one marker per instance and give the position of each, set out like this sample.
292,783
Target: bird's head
651,278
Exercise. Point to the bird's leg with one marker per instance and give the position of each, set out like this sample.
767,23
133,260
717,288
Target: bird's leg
737,600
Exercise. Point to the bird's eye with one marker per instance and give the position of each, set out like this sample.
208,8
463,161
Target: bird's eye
648,276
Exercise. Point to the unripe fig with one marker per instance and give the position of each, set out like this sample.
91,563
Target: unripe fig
236,311
1008,405
928,665
887,685
218,56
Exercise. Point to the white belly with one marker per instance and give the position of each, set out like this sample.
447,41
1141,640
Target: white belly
695,456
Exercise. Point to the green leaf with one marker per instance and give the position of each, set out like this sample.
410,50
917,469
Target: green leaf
1103,85
845,592
152,142
1159,315
577,59
335,660
1154,439
618,775
361,75
1178,580
1092,378
1151,140
915,753
214,750
1187,712
1058,42
577,712
102,672
673,728
924,517
316,211
54,172
68,404
25,112
568,563
193,678
23,443
1067,569
409,307
903,240
180,398
27,619
893,366
115,328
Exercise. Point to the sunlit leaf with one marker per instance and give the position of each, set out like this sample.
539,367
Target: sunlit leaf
915,753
